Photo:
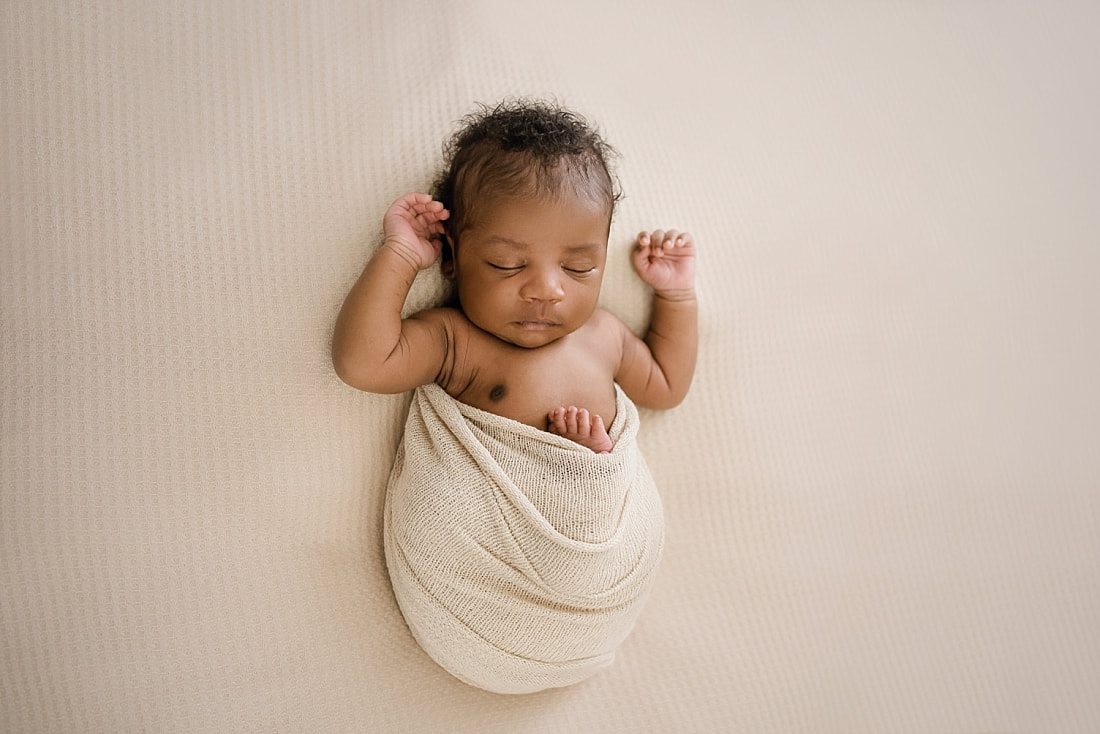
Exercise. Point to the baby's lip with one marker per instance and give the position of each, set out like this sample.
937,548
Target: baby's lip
536,324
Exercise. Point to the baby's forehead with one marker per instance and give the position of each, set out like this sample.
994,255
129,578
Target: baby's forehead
509,173
556,208
494,207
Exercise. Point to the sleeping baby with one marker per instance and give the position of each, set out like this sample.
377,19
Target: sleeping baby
522,527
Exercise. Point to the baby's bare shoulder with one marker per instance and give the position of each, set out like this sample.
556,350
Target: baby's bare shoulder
603,319
469,350
604,335
447,321
605,325
450,330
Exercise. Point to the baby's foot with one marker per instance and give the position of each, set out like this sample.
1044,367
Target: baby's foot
577,425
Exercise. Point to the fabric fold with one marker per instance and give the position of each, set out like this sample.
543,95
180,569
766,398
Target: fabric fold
520,559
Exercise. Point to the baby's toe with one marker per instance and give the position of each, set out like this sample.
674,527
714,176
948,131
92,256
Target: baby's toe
570,419
584,422
555,420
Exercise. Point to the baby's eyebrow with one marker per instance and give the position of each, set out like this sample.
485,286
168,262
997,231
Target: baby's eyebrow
498,239
572,249
583,248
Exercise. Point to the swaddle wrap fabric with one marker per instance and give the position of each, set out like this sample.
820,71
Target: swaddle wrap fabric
520,559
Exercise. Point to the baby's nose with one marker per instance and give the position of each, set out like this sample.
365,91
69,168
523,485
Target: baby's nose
542,285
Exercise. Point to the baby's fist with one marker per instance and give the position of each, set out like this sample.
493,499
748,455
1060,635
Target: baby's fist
665,260
414,228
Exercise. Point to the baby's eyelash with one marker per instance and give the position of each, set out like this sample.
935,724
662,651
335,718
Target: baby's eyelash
510,268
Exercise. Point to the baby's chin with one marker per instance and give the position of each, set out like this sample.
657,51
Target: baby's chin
530,340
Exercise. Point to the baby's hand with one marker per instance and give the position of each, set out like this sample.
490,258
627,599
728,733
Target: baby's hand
414,228
665,260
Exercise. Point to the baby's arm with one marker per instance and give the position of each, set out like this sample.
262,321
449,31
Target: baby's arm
373,349
656,372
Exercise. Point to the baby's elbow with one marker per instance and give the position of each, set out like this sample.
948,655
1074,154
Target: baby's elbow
354,372
349,372
664,396
667,401
370,378
674,401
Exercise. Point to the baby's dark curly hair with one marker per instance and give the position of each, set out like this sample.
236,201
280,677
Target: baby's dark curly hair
522,148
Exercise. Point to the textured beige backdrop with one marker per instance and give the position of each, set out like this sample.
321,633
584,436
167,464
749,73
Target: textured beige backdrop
882,494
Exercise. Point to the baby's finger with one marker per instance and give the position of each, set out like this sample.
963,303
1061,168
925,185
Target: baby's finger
657,240
431,210
685,243
416,200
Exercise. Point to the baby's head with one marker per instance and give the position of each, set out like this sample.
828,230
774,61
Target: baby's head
522,150
531,197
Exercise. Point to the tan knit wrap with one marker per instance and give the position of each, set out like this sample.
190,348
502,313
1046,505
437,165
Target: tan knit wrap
520,559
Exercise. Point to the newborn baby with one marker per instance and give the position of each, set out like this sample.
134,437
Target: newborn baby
524,415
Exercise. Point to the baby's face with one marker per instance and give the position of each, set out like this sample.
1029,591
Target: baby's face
529,272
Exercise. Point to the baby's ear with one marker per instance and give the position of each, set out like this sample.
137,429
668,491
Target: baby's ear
447,258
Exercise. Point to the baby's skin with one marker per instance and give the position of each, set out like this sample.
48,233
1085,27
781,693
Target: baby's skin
529,341
577,425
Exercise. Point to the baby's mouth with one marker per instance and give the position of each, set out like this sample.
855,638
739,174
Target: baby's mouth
536,324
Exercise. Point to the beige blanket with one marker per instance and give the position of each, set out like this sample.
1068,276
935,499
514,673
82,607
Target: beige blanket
880,498
519,559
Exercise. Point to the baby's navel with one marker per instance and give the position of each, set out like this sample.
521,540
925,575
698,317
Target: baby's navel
497,393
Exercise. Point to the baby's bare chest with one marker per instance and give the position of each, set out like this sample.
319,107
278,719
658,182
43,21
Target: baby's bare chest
526,384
